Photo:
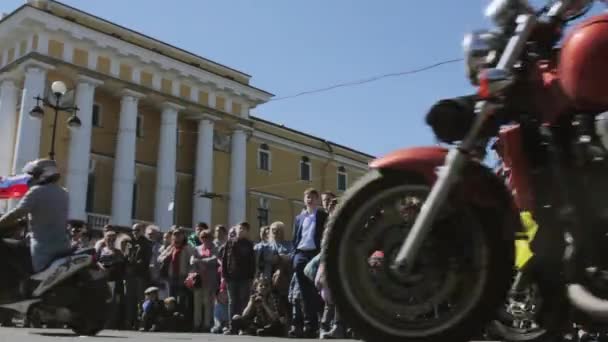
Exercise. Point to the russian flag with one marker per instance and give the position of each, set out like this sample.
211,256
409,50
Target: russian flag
14,186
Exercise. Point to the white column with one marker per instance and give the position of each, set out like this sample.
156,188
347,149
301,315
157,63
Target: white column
238,179
17,50
124,161
228,105
79,154
8,129
30,43
156,81
93,56
43,43
175,87
244,110
212,97
27,144
115,67
68,51
165,167
194,93
136,75
203,178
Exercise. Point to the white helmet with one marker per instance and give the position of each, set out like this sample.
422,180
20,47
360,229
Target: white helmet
43,171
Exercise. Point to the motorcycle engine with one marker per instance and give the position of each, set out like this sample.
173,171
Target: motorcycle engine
595,145
590,185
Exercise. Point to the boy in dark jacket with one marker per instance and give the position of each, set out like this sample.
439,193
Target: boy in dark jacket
152,311
238,268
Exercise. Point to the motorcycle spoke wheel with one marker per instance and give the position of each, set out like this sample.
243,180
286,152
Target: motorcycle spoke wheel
454,276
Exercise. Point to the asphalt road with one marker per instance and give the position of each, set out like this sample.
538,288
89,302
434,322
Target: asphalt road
35,335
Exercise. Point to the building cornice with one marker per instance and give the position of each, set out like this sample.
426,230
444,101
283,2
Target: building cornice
143,37
172,105
193,109
266,195
274,139
33,20
33,63
138,164
90,80
309,136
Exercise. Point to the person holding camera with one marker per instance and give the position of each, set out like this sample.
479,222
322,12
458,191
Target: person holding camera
261,316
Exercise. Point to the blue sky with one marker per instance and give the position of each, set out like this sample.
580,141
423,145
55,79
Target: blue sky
294,46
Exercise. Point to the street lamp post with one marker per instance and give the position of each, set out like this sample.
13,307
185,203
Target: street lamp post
59,89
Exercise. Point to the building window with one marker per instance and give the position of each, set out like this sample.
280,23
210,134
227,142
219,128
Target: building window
264,157
263,212
90,205
342,179
305,173
96,118
140,126
178,140
134,201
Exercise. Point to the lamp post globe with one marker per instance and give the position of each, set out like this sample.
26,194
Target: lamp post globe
58,88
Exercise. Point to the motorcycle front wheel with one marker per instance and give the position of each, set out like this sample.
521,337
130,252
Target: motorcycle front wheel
92,310
462,274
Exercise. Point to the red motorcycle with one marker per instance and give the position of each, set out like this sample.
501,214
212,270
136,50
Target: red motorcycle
447,224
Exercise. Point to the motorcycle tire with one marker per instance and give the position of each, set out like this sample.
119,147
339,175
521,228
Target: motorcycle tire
478,312
92,311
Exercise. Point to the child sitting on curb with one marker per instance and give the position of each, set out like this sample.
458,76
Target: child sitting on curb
261,316
152,311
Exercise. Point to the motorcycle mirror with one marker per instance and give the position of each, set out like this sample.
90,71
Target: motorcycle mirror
576,9
504,12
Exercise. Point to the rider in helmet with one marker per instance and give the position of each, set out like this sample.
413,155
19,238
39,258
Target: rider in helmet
46,205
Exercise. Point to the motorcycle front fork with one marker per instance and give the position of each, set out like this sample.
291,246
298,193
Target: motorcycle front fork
447,177
458,157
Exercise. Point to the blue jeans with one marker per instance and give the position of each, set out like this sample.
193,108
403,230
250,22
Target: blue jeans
311,301
220,314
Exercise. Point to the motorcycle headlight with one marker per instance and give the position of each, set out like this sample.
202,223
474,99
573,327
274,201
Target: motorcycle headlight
452,118
479,51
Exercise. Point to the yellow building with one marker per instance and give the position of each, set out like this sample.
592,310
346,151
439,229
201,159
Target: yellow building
166,136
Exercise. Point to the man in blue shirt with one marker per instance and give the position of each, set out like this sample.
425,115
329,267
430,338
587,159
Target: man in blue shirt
308,231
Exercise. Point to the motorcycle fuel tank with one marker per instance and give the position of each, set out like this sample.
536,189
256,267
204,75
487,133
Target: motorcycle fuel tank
583,65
